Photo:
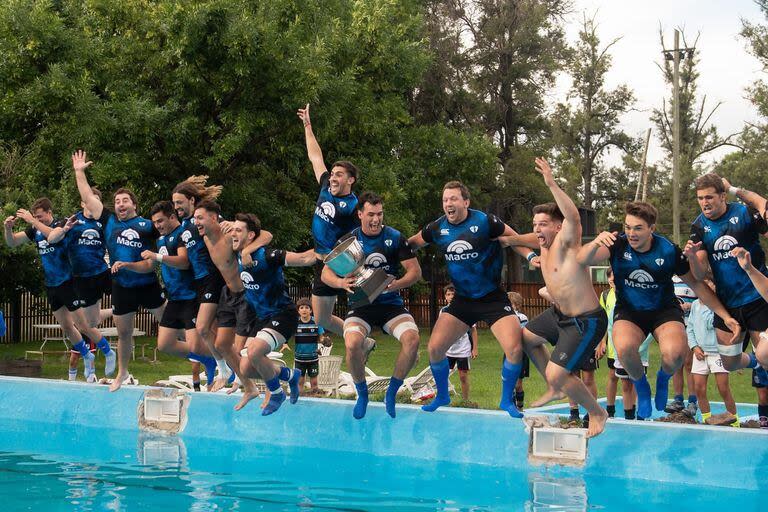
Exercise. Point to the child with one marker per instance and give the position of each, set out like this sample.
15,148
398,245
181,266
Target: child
307,336
462,350
517,303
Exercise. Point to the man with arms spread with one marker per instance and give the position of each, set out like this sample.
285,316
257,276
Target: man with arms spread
385,248
265,292
721,227
643,264
469,241
134,282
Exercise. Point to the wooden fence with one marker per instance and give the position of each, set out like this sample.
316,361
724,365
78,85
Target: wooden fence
28,310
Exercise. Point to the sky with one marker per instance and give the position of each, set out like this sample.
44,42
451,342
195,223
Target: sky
726,68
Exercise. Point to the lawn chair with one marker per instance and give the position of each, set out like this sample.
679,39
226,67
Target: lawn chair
377,384
323,350
424,378
328,376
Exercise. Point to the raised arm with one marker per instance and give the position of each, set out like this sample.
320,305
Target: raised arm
745,262
697,259
753,199
57,234
597,250
417,241
570,234
30,219
523,250
13,239
300,259
264,239
529,240
180,260
314,152
91,201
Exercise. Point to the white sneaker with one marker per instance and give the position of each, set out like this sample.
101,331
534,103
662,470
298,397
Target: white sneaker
89,364
369,345
73,375
92,379
111,358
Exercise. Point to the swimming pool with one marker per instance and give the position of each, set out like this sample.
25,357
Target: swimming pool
76,447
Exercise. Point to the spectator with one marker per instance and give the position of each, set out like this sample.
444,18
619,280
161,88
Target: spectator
686,296
517,304
307,336
606,347
462,350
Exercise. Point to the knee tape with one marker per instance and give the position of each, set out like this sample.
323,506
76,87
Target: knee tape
398,331
729,350
356,328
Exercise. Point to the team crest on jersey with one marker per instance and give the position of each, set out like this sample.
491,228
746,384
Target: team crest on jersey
142,224
460,250
343,204
208,295
507,308
375,260
640,279
734,220
388,243
275,323
98,224
707,229
171,239
628,256
659,261
473,229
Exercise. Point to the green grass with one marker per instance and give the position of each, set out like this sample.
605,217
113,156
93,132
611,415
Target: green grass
484,376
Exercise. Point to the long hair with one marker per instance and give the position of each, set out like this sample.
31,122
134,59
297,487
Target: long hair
195,187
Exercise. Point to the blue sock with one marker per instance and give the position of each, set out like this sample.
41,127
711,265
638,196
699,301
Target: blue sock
662,390
81,347
207,361
277,398
362,400
692,399
285,373
389,398
678,398
103,345
293,383
643,397
509,374
440,373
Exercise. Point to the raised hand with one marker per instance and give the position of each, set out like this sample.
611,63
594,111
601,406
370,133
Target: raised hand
25,215
117,265
606,239
9,221
148,255
348,283
71,222
733,325
536,262
79,160
227,227
303,114
691,248
726,184
743,257
543,168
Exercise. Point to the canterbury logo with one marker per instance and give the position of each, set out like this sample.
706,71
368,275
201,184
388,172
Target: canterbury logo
130,234
375,260
641,276
90,234
725,243
459,247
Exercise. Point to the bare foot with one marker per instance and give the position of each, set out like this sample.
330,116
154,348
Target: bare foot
118,381
218,384
550,395
247,397
233,389
597,423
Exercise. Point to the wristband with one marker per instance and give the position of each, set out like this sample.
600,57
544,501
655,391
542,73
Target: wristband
530,256
159,257
733,190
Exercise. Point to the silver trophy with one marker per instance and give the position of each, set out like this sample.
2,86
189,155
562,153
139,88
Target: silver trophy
347,260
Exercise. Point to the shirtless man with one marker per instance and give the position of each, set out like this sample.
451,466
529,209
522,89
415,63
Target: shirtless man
576,323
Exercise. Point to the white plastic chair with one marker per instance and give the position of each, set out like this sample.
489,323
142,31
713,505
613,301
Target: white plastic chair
329,373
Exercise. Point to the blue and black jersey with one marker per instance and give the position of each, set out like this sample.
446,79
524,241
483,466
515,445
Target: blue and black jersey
306,337
334,217
264,282
197,252
86,247
644,279
385,251
54,257
179,283
472,255
739,226
126,240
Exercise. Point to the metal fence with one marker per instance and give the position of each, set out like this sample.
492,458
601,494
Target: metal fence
29,310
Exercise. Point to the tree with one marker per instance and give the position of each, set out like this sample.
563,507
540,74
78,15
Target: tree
589,125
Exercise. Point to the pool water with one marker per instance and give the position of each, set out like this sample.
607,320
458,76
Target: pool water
65,456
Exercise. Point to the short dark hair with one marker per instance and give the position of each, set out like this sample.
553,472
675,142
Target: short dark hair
209,206
128,192
459,185
645,211
304,302
449,288
550,209
710,180
349,167
368,197
42,203
608,272
164,207
251,221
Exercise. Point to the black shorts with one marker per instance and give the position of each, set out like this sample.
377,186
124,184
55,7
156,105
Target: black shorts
622,373
489,308
648,321
234,312
128,300
209,287
590,363
89,290
376,315
319,288
308,368
283,322
611,363
752,316
574,338
525,372
63,296
179,314
461,362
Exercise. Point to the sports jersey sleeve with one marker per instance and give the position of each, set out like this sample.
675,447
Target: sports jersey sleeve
496,226
274,257
30,232
325,179
404,251
758,221
682,266
105,214
697,233
427,232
